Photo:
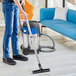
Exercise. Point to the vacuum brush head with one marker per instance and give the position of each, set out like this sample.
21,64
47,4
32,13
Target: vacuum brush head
41,71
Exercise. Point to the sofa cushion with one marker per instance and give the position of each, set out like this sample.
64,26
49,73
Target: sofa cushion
71,15
47,13
61,13
64,27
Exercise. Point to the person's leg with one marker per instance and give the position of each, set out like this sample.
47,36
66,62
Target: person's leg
14,38
8,15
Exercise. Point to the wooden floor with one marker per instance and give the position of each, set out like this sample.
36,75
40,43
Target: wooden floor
62,62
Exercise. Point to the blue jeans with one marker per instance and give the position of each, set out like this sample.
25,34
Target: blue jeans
11,15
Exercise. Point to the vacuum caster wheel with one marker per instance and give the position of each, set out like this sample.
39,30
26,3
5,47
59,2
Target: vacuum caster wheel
24,50
38,51
52,47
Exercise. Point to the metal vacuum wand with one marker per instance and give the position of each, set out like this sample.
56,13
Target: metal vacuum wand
41,70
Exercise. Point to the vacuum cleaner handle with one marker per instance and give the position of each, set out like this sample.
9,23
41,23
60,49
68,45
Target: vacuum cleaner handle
29,28
28,25
23,7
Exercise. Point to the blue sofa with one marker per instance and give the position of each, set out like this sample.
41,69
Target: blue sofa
66,28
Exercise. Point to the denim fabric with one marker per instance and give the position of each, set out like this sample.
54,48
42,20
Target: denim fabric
8,2
11,15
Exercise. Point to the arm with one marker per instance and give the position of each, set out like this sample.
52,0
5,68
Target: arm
20,8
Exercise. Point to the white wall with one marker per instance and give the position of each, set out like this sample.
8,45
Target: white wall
50,3
37,5
58,3
55,3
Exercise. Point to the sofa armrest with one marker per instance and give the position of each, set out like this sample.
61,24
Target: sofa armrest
46,13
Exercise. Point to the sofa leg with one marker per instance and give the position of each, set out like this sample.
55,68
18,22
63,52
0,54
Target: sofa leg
42,27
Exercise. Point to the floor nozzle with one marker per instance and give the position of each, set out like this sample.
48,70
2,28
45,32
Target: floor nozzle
41,71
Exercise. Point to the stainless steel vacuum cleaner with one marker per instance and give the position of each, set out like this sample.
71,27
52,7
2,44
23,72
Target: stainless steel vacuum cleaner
32,40
33,44
27,46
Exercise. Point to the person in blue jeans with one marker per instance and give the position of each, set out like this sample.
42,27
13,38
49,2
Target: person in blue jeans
11,15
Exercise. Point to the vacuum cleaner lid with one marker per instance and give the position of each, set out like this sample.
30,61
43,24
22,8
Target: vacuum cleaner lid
32,23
